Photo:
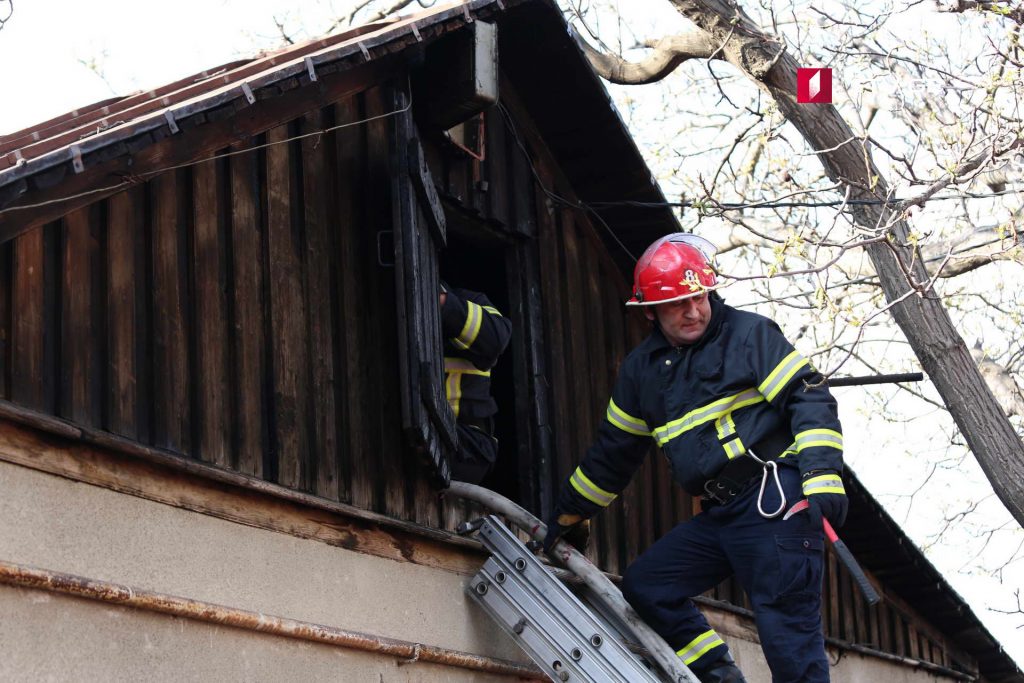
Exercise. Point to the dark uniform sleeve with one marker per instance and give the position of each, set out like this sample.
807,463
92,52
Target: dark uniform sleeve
471,324
623,440
811,413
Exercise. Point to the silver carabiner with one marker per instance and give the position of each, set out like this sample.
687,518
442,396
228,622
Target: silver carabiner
771,464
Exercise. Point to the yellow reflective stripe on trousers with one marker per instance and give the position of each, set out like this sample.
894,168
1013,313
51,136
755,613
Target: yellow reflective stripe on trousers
463,367
824,483
589,490
779,377
699,646
471,329
712,411
626,422
829,438
453,391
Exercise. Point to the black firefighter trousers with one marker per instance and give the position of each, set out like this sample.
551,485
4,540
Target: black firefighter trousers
778,563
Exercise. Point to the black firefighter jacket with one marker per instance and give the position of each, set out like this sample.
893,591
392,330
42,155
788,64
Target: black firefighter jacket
475,334
740,387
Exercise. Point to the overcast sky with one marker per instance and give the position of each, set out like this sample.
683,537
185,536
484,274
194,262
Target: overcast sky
47,44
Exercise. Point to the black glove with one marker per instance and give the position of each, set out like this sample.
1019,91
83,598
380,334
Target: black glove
826,497
573,528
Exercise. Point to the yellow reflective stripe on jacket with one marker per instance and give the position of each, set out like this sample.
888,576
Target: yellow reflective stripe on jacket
626,422
493,311
779,377
699,646
734,448
463,367
726,428
819,437
453,390
589,490
474,318
824,483
791,450
712,411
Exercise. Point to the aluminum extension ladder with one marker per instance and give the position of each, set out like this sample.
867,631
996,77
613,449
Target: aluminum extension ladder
568,639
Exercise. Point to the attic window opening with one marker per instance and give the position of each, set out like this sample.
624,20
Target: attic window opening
470,137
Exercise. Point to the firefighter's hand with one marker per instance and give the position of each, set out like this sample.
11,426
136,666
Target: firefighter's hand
573,528
825,498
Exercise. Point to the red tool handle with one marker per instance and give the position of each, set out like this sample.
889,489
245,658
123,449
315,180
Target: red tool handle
845,556
830,533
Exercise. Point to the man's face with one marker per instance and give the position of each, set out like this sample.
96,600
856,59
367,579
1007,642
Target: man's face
682,322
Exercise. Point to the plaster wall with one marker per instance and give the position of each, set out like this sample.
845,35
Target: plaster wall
67,526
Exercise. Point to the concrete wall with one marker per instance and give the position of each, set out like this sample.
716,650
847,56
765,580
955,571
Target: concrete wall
62,525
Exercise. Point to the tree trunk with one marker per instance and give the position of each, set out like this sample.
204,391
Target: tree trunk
921,316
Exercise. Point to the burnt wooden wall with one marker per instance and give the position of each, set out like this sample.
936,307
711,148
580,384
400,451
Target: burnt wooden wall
234,311
238,312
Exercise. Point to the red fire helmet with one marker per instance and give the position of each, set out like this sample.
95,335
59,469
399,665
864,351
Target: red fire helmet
677,266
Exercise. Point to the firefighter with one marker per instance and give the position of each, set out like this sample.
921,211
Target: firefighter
475,334
746,424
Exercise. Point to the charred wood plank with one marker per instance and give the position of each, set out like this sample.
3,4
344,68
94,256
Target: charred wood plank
208,267
248,297
426,191
356,244
28,350
385,394
80,365
288,339
172,413
551,273
318,205
125,310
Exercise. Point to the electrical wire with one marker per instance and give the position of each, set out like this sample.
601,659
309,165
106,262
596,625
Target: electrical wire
510,126
768,204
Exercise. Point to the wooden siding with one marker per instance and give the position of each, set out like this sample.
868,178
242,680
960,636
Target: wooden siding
234,311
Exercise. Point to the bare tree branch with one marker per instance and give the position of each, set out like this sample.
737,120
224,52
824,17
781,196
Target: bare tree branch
284,33
667,54
1002,9
962,170
347,20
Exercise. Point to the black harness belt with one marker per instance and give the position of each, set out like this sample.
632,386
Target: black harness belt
740,472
